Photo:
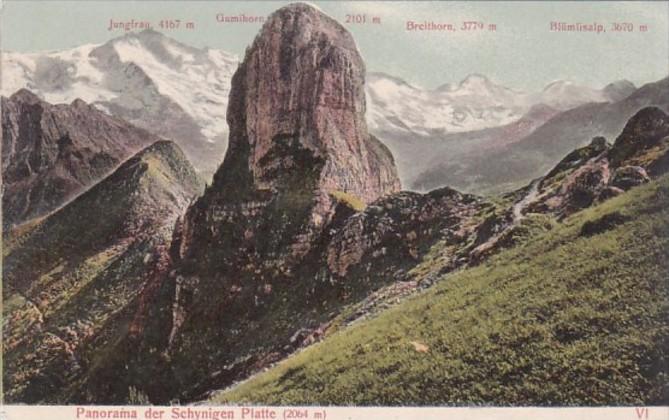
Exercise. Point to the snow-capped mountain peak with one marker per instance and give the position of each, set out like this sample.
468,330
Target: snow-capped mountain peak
175,90
619,90
181,92
565,94
474,103
475,82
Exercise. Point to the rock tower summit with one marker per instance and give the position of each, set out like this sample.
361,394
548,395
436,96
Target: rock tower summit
297,136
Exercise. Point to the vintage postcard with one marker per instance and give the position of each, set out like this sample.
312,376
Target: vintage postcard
335,210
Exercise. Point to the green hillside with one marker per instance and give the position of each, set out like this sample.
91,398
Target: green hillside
574,316
71,279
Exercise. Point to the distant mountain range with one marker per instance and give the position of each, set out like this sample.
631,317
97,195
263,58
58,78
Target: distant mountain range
181,93
176,91
504,158
473,104
51,153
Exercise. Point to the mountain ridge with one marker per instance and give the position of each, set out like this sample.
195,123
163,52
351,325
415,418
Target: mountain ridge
51,153
460,107
71,282
133,77
533,152
139,77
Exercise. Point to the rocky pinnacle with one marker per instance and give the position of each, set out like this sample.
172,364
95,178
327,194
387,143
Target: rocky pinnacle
297,135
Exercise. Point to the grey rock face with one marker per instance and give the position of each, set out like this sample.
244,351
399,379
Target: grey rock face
627,177
51,153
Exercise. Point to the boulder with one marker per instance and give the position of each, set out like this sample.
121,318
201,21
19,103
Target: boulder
627,177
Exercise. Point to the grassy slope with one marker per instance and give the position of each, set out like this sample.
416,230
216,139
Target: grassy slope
69,278
562,319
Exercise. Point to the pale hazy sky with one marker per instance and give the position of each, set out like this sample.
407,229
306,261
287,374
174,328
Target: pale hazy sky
522,53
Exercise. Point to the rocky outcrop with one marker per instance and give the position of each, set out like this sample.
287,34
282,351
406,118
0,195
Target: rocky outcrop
297,134
252,253
586,176
627,177
51,153
600,171
644,141
394,233
298,140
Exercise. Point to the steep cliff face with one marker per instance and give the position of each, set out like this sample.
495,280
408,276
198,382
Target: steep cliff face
298,140
249,249
51,153
301,86
297,134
